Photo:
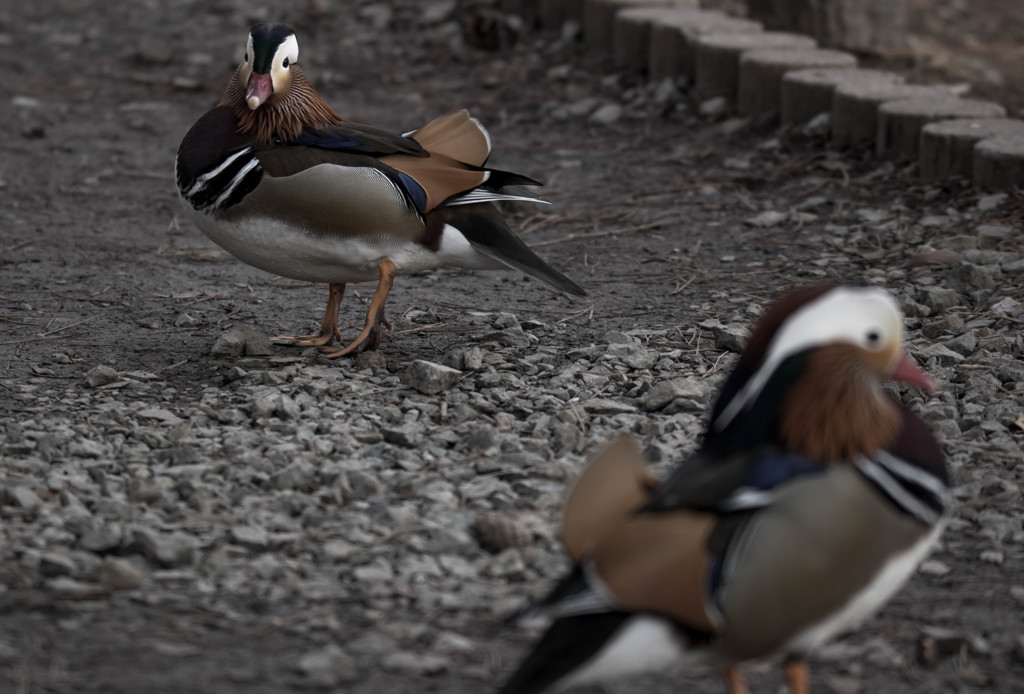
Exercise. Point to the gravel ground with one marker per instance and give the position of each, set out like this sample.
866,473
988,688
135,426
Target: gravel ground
185,508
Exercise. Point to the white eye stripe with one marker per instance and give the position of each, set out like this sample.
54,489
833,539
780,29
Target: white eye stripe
287,53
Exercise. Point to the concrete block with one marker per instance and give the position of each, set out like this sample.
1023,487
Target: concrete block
599,18
999,162
631,37
717,61
900,122
852,24
633,30
947,147
855,107
674,35
553,14
527,9
761,74
806,93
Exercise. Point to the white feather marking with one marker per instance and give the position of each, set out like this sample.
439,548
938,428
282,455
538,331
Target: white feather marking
487,135
477,195
642,644
205,178
235,181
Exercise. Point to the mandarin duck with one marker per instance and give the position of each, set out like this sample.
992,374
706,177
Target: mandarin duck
275,177
812,499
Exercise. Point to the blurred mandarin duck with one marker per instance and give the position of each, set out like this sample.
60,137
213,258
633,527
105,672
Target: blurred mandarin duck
812,500
275,177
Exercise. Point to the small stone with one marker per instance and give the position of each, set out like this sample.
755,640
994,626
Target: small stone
507,564
496,532
53,564
85,448
714,108
1006,307
963,344
819,126
405,436
117,574
993,556
300,476
24,498
242,340
1017,593
250,537
72,589
160,414
430,378
938,299
667,93
506,320
372,361
967,277
767,219
632,354
338,550
327,668
274,403
988,203
664,392
100,537
100,376
730,337
171,550
941,354
511,337
359,485
185,321
608,406
992,235
607,114
934,567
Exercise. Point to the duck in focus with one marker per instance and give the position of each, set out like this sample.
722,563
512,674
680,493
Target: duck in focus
278,179
812,499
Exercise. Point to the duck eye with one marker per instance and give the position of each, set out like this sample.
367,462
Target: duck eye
873,337
285,63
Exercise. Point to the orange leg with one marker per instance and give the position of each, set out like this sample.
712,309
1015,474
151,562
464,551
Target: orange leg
369,338
735,682
798,676
328,326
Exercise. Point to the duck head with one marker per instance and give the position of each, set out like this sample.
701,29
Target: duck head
265,73
811,377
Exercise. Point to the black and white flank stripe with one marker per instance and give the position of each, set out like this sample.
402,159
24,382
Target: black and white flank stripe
225,185
912,489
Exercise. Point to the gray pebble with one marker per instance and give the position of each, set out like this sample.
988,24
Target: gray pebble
731,338
607,114
241,340
171,550
430,378
327,668
100,375
496,532
117,574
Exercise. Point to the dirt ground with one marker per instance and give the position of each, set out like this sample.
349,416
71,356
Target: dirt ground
648,213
